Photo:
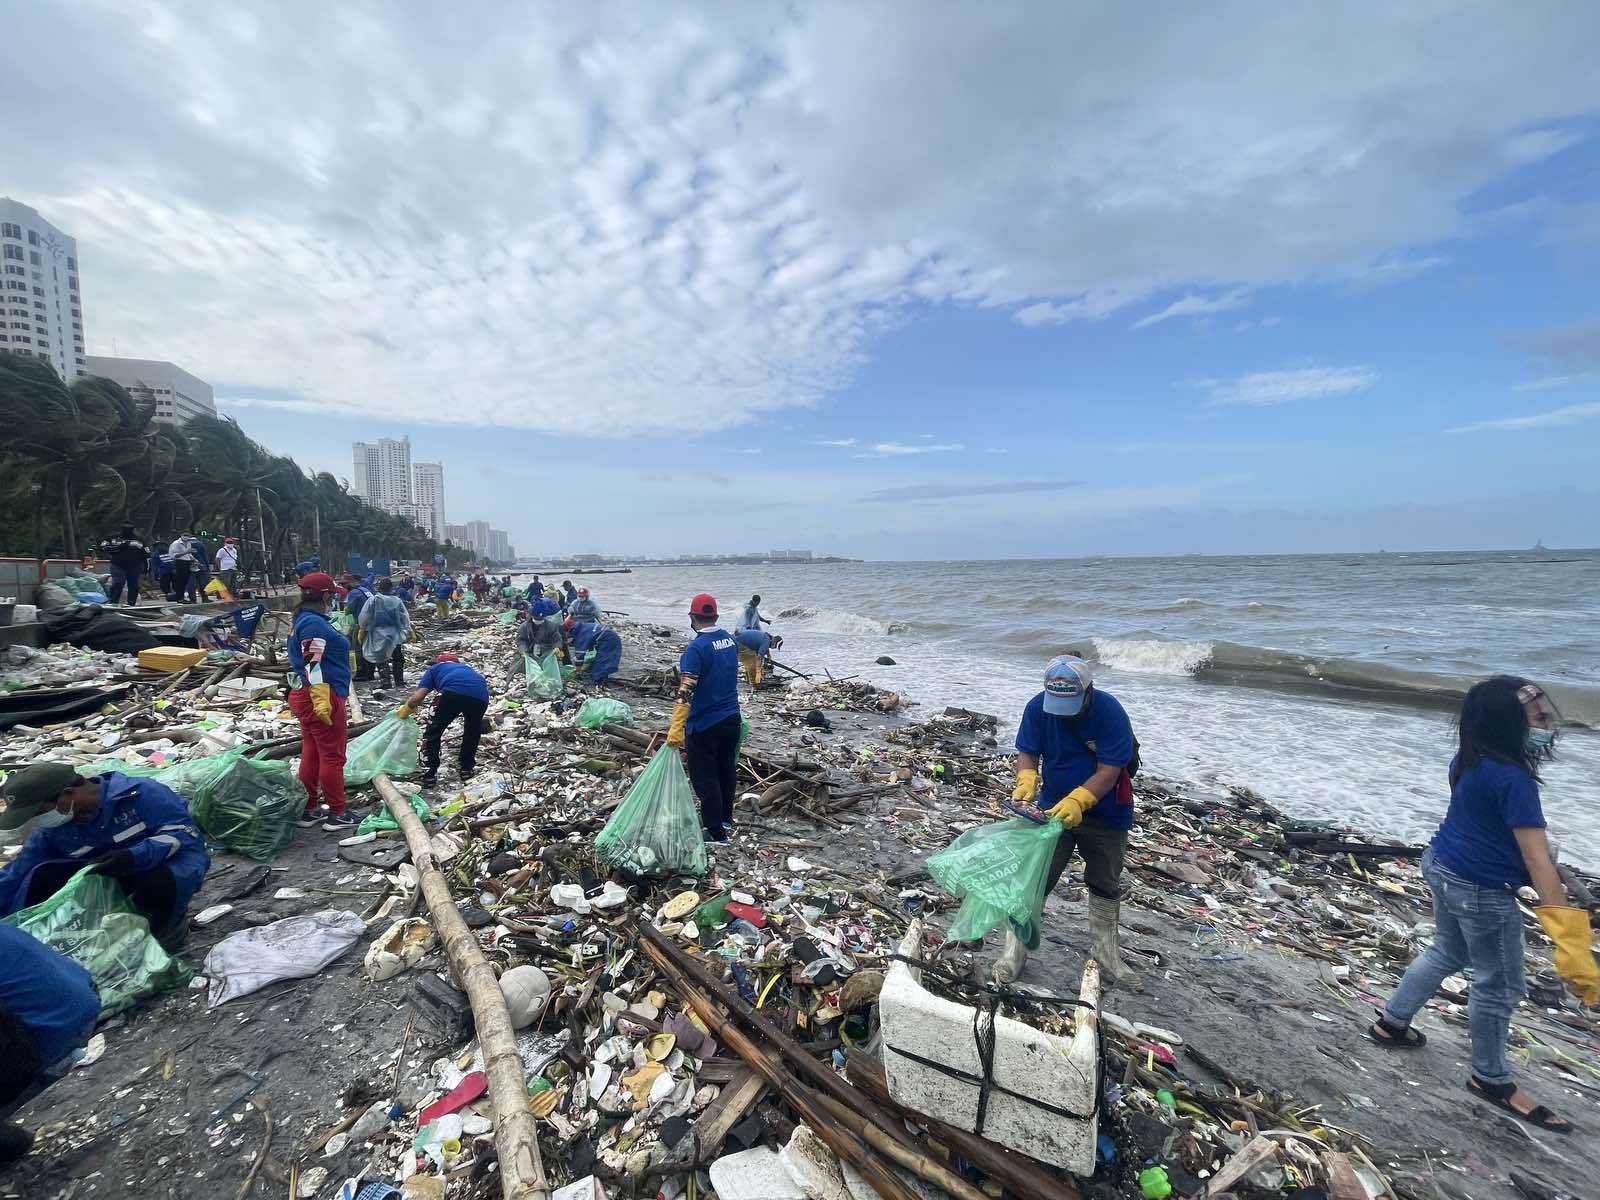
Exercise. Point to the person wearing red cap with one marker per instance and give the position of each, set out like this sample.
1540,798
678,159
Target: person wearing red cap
462,693
705,721
583,608
319,691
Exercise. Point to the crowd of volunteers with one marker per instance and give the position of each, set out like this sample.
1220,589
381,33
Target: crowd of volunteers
1076,757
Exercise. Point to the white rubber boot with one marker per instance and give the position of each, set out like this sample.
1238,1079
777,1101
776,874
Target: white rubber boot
1012,959
1105,945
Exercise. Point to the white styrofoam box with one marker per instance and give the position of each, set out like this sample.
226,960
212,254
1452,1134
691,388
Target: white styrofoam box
1037,1066
247,688
757,1174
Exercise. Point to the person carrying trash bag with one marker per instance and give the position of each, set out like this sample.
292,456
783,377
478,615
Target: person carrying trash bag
462,693
705,720
538,636
137,831
1491,843
319,695
48,1008
1076,755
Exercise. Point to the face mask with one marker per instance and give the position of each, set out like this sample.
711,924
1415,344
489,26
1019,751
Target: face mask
48,819
1541,739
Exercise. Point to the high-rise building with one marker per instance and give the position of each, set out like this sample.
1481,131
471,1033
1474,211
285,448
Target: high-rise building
177,395
429,492
383,471
499,545
456,534
478,538
42,303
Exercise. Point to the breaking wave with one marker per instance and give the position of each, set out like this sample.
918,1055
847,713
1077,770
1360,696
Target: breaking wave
1255,666
831,620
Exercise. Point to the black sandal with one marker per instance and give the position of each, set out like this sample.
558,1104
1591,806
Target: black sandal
1499,1095
1396,1037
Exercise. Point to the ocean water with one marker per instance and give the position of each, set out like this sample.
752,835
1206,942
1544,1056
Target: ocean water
1325,683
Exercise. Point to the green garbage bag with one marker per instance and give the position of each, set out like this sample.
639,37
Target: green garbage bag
656,828
93,923
744,732
378,822
599,710
389,746
997,872
506,618
248,805
544,676
345,622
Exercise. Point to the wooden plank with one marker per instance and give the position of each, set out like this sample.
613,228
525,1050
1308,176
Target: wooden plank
727,1110
1262,1150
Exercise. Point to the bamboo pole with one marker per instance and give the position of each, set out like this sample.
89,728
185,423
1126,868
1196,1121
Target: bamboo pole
916,1161
516,1136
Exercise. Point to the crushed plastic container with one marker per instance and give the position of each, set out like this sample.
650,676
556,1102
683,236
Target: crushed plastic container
1042,1089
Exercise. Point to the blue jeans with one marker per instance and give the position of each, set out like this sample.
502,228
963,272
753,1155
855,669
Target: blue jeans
1479,927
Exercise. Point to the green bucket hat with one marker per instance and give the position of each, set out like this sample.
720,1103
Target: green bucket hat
32,790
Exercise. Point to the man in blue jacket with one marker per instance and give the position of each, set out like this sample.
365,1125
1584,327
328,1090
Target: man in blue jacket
705,721
48,1008
137,831
462,693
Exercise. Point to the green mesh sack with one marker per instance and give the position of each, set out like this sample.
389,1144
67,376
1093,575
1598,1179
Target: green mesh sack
744,732
244,804
998,873
506,618
656,828
544,676
94,924
599,710
345,622
382,822
389,746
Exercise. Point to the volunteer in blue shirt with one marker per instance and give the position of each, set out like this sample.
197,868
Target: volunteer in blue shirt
1491,843
137,831
48,1008
1075,748
443,589
462,693
755,652
705,721
319,696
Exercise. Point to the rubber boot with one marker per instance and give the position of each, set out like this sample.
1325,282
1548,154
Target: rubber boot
1105,945
1012,959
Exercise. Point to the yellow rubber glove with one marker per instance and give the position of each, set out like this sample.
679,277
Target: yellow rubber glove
322,703
680,714
361,635
1574,958
403,711
1073,805
1027,786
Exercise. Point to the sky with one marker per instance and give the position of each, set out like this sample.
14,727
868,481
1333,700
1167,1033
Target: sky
891,280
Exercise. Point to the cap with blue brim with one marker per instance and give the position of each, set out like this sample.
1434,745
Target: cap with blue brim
1066,684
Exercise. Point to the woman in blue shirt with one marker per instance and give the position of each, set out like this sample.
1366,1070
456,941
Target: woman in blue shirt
1491,843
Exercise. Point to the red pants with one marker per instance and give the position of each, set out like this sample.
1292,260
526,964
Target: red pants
321,750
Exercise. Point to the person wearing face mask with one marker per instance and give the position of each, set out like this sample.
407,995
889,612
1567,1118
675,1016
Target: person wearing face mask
1492,842
137,831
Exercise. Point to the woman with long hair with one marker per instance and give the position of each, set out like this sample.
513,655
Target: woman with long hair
319,691
1491,843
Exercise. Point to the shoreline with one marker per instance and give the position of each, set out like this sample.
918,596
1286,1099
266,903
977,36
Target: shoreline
1227,926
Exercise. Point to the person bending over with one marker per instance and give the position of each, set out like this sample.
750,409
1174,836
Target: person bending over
137,831
48,1008
462,693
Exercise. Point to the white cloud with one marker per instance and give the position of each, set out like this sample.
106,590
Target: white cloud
996,450
1550,383
632,219
1393,270
897,449
1194,305
1572,414
1260,388
835,442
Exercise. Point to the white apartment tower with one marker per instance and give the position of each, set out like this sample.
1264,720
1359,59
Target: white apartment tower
176,394
42,305
383,471
429,494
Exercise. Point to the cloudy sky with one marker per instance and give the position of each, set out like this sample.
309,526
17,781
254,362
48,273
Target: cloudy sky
895,280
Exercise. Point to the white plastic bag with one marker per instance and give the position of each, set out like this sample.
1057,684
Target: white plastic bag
292,948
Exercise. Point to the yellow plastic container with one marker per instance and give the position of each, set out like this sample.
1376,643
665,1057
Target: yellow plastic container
171,658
